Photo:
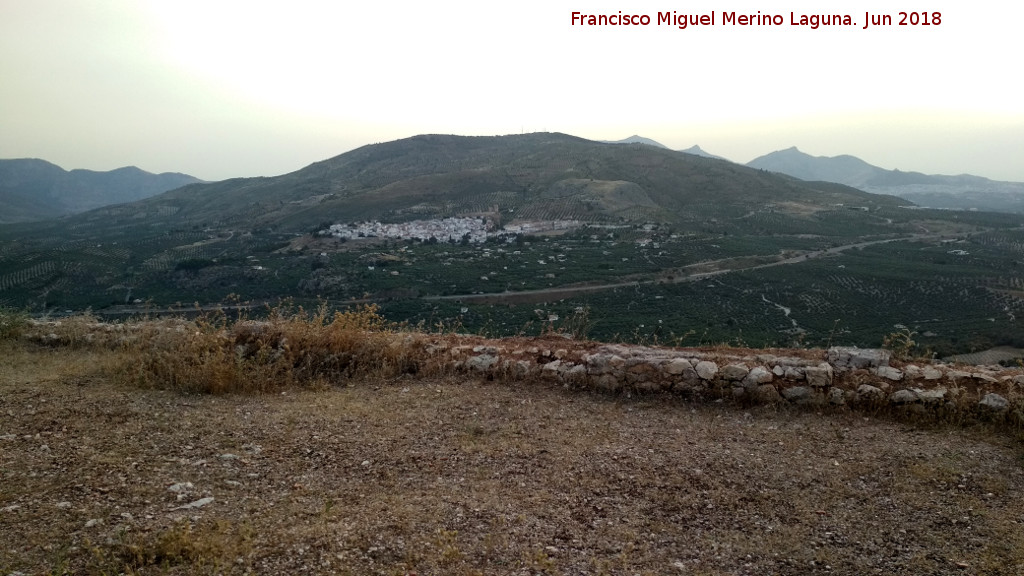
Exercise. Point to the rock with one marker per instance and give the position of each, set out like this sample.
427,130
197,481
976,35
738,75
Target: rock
93,522
458,351
934,396
196,504
888,372
561,353
577,371
758,375
836,396
607,382
820,376
643,368
930,373
180,487
517,369
676,366
603,363
869,392
985,378
851,357
905,396
766,394
482,363
734,372
794,373
779,371
436,347
1019,380
994,402
706,369
64,505
796,393
552,366
688,377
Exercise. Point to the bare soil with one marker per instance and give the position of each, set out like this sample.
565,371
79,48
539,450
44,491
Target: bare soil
414,476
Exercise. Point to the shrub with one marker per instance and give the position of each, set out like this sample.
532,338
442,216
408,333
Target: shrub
13,323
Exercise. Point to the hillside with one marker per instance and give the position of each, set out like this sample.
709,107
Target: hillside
963,192
436,176
32,189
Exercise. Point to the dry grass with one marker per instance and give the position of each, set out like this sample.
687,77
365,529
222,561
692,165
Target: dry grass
292,348
402,475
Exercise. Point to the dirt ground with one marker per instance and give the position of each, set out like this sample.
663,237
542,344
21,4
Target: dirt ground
413,476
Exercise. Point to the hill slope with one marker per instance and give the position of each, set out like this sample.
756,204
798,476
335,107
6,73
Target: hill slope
32,189
436,176
936,191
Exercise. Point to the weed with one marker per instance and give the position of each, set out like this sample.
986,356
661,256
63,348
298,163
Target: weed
901,343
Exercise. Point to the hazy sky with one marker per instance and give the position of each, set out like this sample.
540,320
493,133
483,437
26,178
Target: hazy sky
219,89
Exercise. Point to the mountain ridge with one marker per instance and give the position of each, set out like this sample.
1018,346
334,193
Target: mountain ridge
35,189
436,176
963,191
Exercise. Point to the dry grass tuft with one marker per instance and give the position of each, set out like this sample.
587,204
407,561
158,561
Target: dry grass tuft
292,348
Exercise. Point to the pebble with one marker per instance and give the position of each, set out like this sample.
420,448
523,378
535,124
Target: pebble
180,487
196,504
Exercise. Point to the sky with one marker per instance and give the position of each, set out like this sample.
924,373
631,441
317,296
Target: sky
221,89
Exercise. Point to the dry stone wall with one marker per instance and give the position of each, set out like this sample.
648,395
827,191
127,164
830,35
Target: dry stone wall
840,376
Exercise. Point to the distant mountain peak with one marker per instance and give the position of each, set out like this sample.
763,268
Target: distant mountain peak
635,139
696,150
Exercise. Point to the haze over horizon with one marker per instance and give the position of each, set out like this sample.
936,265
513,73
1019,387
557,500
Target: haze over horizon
226,89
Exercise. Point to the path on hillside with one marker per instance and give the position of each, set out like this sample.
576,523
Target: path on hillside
571,290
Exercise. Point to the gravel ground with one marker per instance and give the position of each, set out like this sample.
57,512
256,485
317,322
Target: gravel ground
457,476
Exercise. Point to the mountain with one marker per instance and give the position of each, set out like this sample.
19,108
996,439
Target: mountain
634,139
963,192
32,189
540,176
698,151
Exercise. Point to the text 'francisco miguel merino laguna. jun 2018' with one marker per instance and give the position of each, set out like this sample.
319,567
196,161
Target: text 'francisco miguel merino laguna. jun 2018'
757,19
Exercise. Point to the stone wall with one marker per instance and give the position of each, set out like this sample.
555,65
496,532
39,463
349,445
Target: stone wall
840,376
